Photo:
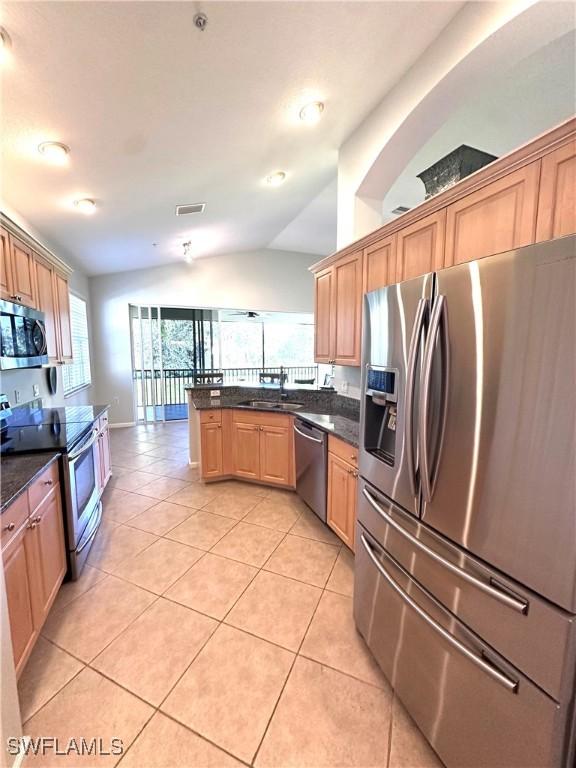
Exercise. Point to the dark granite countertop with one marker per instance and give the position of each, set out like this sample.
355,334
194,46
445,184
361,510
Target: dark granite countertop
322,409
18,472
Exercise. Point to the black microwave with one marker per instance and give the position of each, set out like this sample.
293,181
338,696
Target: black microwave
22,337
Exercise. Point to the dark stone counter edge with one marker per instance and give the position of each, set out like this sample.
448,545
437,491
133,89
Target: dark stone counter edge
347,432
39,461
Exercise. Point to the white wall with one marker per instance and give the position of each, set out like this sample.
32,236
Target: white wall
482,40
24,380
258,280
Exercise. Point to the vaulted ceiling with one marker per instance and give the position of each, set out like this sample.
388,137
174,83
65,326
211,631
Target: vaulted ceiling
157,113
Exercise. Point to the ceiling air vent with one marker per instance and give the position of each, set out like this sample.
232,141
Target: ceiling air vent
400,209
182,210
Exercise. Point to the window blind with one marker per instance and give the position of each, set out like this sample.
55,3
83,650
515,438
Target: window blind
77,374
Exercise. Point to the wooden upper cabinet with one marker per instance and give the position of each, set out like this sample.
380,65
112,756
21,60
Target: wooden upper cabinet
347,308
64,326
211,450
47,302
276,455
5,266
420,247
245,440
23,277
380,264
557,199
323,315
496,218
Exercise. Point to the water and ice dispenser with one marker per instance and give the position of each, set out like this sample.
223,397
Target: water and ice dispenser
381,393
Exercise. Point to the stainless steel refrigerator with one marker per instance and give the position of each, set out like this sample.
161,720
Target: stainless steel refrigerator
465,584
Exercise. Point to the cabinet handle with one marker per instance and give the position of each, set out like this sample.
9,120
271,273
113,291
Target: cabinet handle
9,527
48,482
37,519
31,525
16,297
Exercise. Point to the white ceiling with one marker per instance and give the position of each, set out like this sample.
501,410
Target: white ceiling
158,113
521,103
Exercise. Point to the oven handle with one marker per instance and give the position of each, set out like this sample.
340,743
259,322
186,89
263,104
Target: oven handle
93,533
489,669
517,604
76,454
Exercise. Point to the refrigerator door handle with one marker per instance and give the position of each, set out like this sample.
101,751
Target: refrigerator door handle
512,602
409,399
508,683
438,324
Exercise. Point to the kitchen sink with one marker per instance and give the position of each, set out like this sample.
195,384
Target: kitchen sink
274,405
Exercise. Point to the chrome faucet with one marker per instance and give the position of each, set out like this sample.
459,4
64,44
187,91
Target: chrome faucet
283,395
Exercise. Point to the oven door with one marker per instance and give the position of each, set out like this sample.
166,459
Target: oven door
23,342
83,485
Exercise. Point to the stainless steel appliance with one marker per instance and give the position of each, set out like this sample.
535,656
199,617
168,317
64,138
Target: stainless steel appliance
22,337
465,585
311,449
72,432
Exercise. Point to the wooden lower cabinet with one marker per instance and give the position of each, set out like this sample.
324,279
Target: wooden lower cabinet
342,490
211,450
17,575
248,444
276,455
45,539
34,561
245,439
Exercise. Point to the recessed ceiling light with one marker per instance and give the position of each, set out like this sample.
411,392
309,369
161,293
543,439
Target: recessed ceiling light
311,113
54,151
85,206
275,179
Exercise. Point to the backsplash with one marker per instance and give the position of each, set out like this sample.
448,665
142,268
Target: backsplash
24,381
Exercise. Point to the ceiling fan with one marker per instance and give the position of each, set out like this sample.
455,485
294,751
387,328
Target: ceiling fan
247,313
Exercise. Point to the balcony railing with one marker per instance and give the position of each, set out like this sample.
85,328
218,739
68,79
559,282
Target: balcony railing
167,387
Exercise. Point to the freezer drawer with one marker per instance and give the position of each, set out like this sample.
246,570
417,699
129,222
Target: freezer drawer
475,709
534,635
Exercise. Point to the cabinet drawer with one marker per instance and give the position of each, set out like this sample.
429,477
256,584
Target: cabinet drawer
213,416
262,418
42,486
12,519
343,450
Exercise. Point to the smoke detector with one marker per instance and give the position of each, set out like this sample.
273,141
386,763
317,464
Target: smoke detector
201,21
183,210
400,209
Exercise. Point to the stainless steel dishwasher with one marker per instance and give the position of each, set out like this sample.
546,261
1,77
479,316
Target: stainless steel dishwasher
311,448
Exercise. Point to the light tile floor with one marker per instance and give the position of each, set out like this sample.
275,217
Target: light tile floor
212,627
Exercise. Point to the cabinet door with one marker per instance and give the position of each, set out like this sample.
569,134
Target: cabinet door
47,564
342,485
19,597
47,303
22,272
557,199
380,264
105,460
323,316
246,450
496,218
211,450
64,326
6,289
420,247
348,309
276,455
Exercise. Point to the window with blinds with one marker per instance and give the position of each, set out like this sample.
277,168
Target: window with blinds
77,374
